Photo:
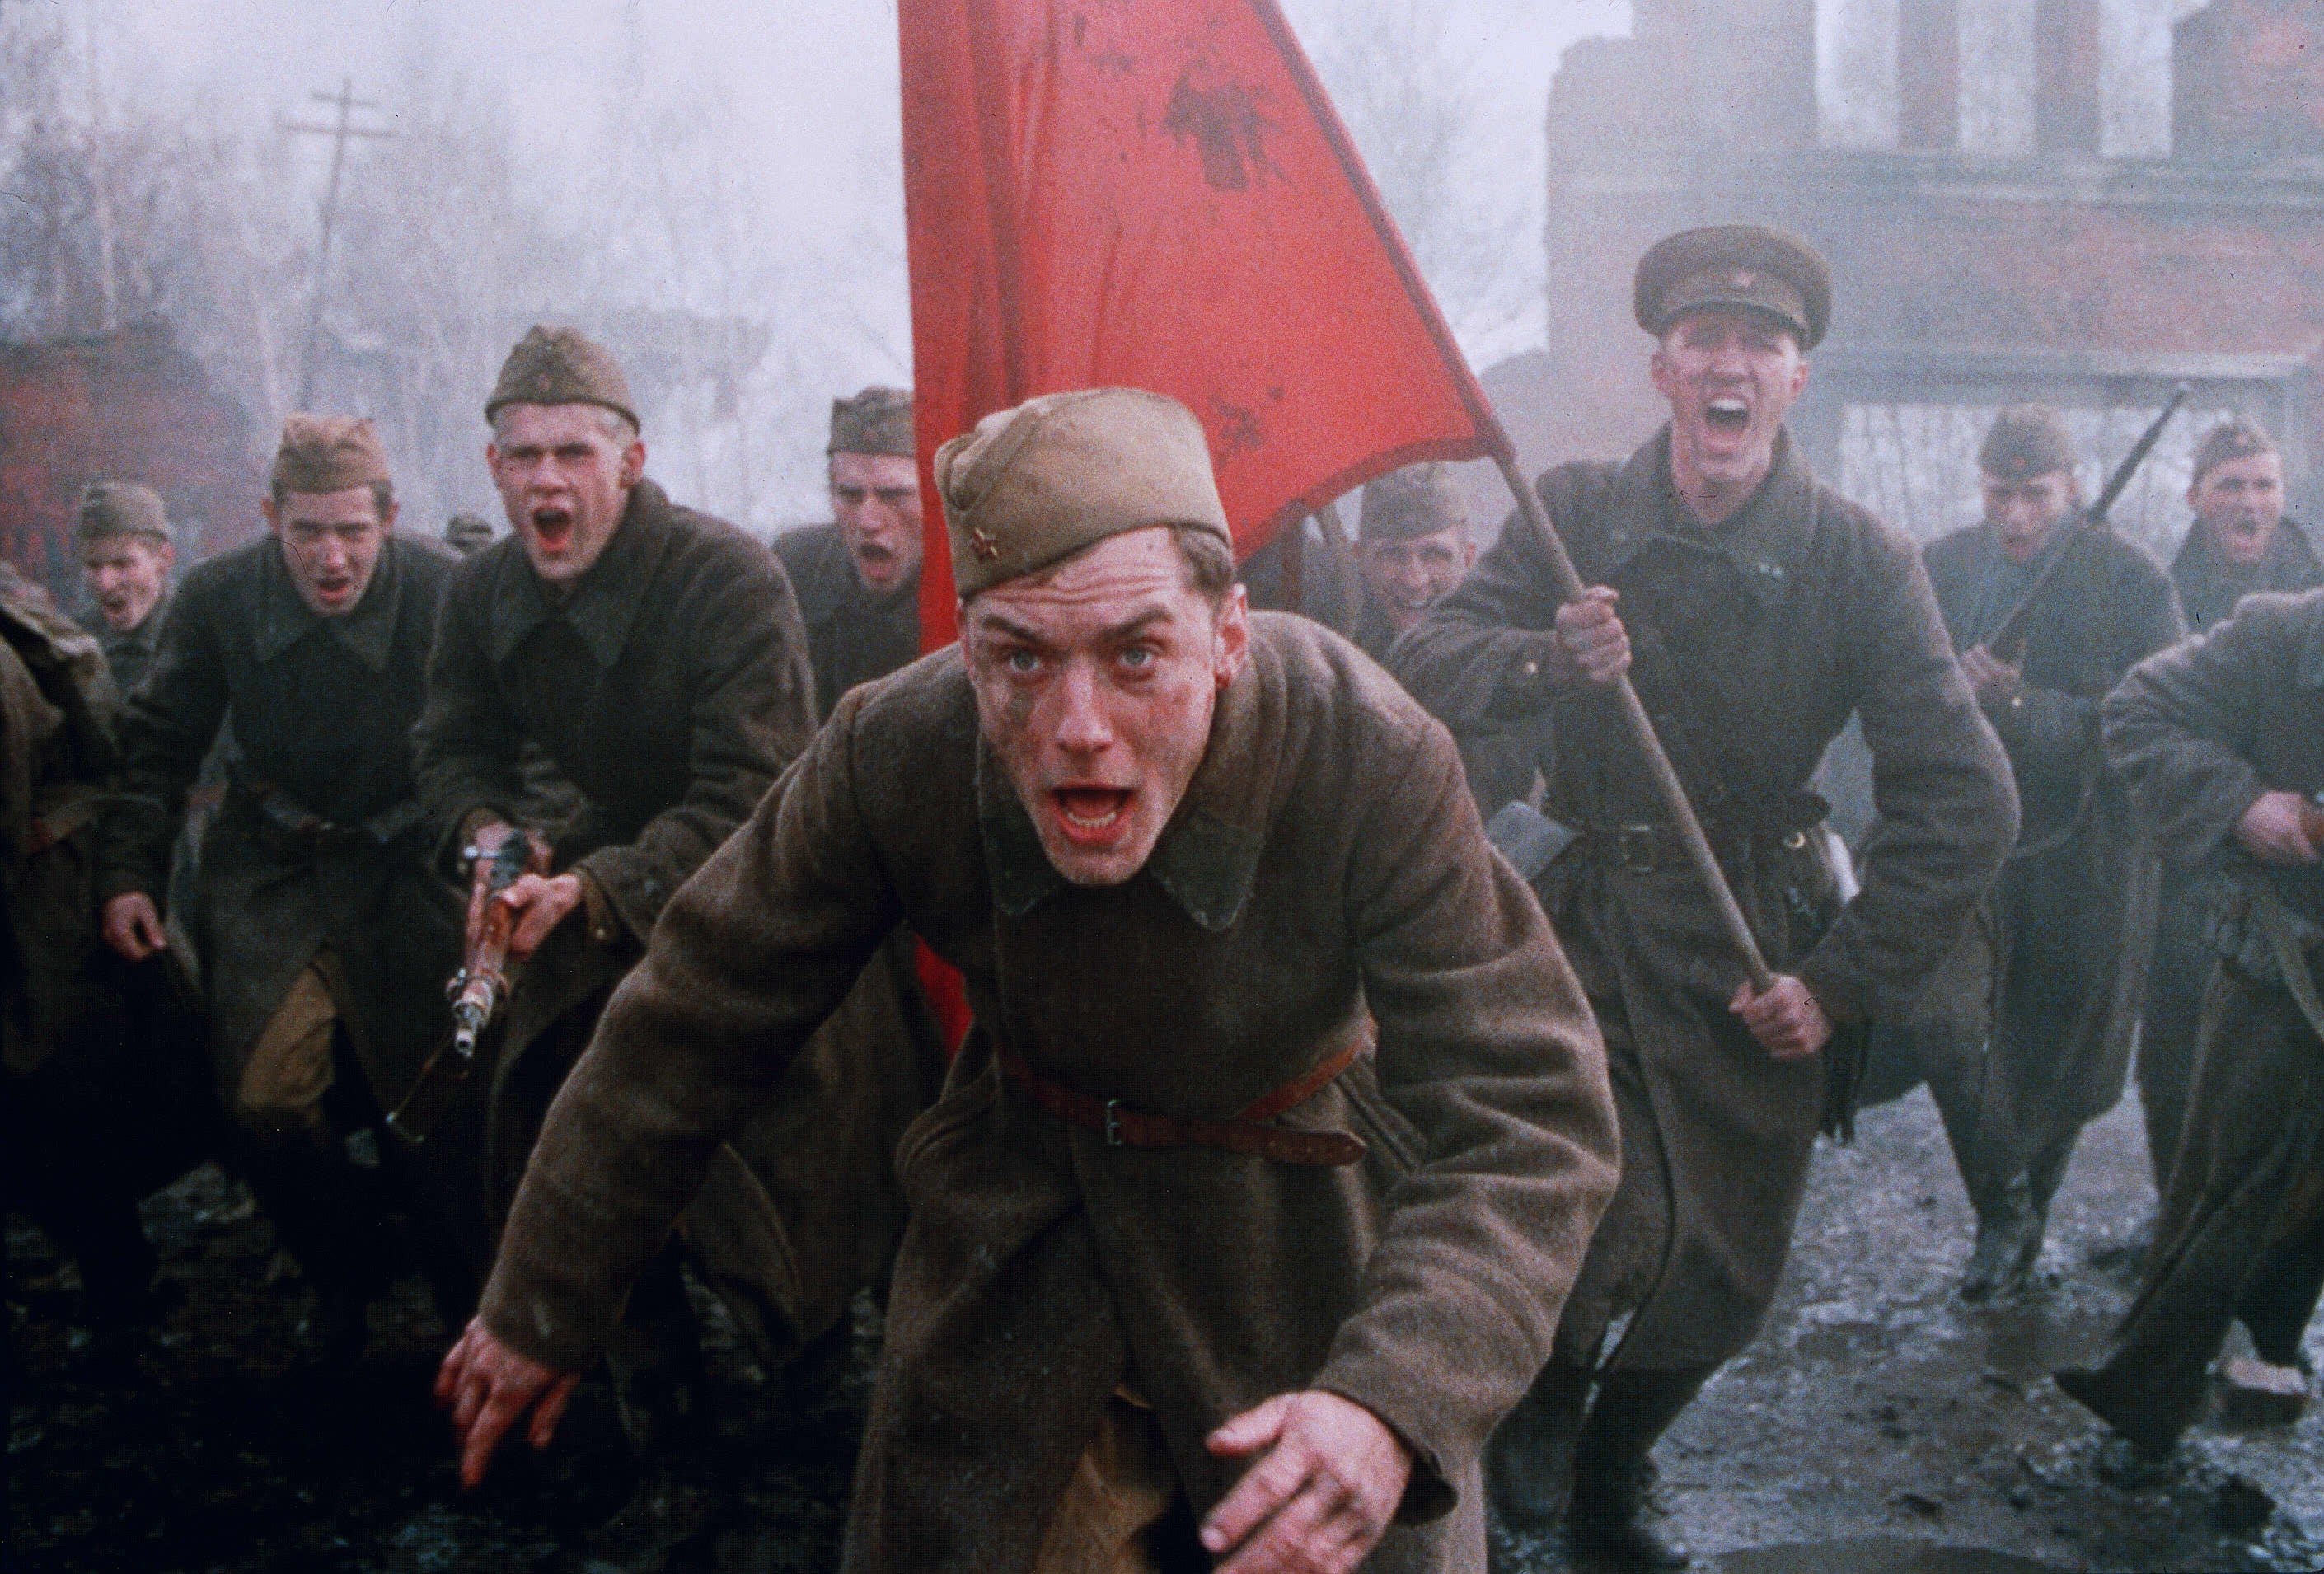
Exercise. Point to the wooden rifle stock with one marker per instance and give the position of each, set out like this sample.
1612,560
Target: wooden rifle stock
478,990
2013,627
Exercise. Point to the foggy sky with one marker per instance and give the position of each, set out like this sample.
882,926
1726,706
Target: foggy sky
815,132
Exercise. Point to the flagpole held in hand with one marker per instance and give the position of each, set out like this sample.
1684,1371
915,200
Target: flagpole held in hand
1667,786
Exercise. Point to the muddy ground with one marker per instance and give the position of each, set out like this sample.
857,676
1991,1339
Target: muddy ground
1878,1426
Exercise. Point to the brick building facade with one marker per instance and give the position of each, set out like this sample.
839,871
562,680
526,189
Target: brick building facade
127,406
1973,266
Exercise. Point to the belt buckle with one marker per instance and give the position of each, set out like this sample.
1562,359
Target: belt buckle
1113,1123
1634,846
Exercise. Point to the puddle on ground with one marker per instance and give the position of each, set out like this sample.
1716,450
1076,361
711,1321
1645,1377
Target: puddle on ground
1875,1555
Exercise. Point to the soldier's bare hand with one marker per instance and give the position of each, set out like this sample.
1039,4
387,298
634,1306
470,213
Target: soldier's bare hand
487,1386
1788,1020
1995,682
2275,828
540,902
1591,645
133,926
1328,1477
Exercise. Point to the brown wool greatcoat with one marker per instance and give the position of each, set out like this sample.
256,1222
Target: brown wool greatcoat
2197,733
1801,610
1325,871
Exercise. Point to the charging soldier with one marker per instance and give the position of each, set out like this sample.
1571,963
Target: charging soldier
2221,743
127,549
654,658
322,940
2041,1043
1764,609
1222,904
2240,542
858,578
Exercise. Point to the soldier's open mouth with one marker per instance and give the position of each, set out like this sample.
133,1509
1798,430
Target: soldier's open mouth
1727,415
1092,812
552,528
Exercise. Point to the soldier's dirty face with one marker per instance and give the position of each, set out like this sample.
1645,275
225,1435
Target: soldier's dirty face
1730,375
331,543
2240,502
2022,513
564,472
876,500
1406,577
125,576
1095,685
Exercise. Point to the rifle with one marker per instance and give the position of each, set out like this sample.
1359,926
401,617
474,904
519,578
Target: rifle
477,988
2013,627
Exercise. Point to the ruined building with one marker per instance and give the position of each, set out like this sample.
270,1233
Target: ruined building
2083,201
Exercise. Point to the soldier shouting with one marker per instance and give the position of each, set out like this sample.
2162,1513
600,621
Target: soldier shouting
1256,1187
1756,610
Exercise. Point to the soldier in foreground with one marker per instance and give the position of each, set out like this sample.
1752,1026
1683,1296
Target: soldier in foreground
1763,609
652,655
858,578
2221,742
2041,1040
1257,1186
126,553
322,940
2240,542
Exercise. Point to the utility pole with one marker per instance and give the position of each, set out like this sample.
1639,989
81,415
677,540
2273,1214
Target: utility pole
346,102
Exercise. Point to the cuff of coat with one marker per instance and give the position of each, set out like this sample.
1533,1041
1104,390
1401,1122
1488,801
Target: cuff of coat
605,923
121,882
1836,987
1399,1404
543,1325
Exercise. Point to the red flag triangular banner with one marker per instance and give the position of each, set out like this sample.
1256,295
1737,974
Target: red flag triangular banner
1160,196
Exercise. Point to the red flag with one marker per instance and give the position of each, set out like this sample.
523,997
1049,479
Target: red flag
1160,196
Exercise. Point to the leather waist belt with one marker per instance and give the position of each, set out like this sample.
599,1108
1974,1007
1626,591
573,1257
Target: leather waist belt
1246,1133
1655,846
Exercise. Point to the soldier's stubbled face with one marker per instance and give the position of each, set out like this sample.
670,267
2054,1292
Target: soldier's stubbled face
564,472
1406,577
2022,513
125,576
1731,375
331,542
1095,685
2240,502
876,500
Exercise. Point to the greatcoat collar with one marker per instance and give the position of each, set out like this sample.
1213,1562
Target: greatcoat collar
284,618
603,604
1766,539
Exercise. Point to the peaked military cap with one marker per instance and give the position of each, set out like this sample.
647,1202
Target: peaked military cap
562,365
1404,505
1746,265
2237,437
120,508
877,420
2025,440
1033,485
328,453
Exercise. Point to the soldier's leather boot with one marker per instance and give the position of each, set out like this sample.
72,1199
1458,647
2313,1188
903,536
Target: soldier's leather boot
330,1220
662,1385
2008,1241
1529,1460
1610,1516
